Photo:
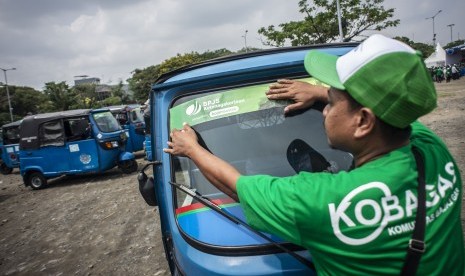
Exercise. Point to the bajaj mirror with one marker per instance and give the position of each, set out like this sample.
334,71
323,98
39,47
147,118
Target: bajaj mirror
302,157
147,186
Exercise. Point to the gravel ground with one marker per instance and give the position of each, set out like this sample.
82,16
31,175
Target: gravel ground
100,225
85,225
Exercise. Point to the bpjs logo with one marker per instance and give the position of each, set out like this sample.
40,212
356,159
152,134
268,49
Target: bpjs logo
357,209
193,109
196,107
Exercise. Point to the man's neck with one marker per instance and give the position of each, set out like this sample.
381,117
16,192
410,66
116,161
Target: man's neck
374,151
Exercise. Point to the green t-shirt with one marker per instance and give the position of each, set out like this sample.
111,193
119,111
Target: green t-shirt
360,222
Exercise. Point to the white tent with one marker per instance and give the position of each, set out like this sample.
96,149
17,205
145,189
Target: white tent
438,58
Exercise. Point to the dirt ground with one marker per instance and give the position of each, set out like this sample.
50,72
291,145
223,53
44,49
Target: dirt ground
100,225
85,225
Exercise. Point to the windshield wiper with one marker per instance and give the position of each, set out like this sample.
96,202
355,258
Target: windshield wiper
207,202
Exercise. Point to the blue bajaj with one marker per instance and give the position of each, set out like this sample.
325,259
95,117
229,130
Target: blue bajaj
131,120
9,151
204,232
71,142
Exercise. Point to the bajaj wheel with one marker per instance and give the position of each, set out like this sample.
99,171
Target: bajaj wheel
36,180
128,166
4,169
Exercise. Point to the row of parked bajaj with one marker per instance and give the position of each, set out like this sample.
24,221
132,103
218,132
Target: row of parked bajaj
49,145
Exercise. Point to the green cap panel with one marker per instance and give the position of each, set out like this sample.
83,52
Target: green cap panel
398,97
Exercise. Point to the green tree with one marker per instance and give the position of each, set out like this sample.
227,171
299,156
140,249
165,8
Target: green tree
84,96
4,107
320,24
113,100
60,94
405,40
454,43
28,100
425,49
24,100
143,79
179,61
4,118
215,54
141,82
118,91
249,49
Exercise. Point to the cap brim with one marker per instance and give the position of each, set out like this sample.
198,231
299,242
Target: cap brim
322,66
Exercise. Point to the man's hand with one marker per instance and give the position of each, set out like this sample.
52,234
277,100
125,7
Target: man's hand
303,94
221,174
183,142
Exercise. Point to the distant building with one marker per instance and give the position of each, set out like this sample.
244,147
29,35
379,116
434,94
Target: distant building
103,90
87,81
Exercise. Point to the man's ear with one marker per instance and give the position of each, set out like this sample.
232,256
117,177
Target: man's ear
366,121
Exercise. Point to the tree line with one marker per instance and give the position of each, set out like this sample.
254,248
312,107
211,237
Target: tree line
319,25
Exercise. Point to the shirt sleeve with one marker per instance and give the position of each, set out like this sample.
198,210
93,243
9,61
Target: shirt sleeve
268,205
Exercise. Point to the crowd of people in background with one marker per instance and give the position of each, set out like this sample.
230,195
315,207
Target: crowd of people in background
447,72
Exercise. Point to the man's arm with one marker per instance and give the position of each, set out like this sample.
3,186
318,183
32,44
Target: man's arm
221,174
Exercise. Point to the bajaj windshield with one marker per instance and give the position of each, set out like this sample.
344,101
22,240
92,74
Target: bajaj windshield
106,122
252,133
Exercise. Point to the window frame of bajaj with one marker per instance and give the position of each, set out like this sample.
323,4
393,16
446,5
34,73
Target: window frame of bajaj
63,135
176,164
51,133
108,115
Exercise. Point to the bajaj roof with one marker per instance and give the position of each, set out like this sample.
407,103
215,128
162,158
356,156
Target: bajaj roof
13,124
119,108
243,63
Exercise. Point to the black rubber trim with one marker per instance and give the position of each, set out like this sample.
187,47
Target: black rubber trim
249,250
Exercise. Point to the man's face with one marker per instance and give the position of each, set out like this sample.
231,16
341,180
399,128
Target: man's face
339,120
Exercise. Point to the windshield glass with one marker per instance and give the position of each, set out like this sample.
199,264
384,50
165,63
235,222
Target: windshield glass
136,115
250,132
106,122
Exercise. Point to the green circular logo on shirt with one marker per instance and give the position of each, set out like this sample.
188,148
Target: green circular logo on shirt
352,211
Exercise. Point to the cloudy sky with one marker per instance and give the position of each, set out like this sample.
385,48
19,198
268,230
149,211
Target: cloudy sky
56,40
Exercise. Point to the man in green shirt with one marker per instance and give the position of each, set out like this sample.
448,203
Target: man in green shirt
361,221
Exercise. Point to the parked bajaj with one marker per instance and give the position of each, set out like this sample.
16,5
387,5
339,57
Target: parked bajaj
71,142
203,230
131,120
9,151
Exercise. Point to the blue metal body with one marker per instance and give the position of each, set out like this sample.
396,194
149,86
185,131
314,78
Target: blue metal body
9,148
75,157
131,120
202,242
148,147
